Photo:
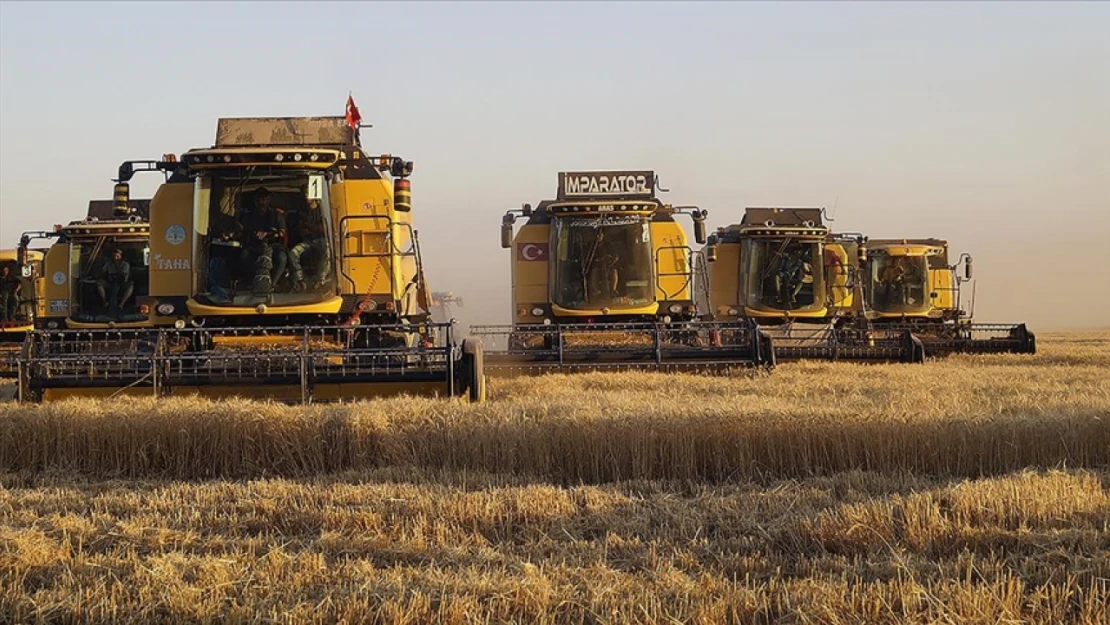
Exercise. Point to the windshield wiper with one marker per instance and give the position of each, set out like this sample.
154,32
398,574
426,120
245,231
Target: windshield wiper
589,263
771,263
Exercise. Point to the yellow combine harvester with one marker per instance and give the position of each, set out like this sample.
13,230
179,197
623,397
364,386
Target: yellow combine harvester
283,265
783,269
603,278
21,287
909,285
96,272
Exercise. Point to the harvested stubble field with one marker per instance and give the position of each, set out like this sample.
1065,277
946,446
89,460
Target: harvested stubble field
972,490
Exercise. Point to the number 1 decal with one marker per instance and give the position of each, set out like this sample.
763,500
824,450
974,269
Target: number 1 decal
315,187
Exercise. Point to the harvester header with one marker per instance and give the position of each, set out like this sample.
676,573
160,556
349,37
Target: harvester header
606,184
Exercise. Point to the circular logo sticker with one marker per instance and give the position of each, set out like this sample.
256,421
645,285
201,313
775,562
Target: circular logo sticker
59,277
175,234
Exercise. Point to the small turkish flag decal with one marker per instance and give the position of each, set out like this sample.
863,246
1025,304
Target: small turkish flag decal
532,251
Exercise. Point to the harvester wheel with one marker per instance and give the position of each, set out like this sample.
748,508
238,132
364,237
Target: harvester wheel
473,370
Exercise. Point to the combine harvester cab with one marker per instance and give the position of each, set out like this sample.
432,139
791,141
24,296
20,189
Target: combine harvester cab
603,279
909,286
284,266
782,269
21,287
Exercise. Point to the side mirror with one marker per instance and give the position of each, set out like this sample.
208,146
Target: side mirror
506,234
122,200
21,256
967,269
699,229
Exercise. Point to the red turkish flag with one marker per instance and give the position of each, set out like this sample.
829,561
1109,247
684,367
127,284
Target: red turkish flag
532,251
353,116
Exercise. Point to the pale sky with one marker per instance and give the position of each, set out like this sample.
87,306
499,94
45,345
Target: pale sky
987,124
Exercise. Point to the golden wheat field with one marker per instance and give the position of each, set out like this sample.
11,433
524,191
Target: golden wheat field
968,490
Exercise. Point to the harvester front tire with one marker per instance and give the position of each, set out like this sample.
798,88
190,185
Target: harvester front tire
473,370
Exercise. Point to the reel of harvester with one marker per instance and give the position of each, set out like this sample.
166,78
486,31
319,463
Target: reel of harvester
807,341
289,364
943,339
703,346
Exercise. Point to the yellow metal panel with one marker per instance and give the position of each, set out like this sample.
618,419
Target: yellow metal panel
56,283
172,267
650,309
365,221
724,280
405,264
942,282
904,249
529,277
668,242
119,325
837,265
40,296
328,307
794,314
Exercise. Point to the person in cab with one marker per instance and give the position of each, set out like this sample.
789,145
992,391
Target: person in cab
790,274
265,235
313,239
10,289
115,285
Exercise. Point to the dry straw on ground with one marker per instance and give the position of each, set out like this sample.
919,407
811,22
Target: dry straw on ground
973,490
399,546
959,417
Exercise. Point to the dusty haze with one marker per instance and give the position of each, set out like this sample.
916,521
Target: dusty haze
986,124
